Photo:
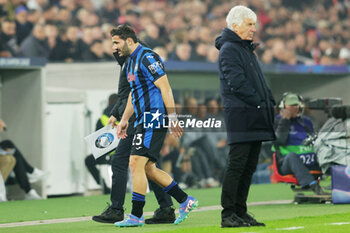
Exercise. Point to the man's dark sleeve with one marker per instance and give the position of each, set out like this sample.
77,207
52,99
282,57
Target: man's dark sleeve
234,74
119,59
114,112
282,130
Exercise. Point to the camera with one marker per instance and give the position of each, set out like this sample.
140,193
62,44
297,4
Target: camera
325,104
310,140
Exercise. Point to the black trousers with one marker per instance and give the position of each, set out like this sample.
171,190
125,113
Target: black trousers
22,166
242,162
120,165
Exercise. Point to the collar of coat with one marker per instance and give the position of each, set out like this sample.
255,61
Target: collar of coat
229,35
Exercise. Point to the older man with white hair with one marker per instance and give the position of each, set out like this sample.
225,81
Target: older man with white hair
248,107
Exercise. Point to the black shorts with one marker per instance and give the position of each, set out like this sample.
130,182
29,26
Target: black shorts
148,142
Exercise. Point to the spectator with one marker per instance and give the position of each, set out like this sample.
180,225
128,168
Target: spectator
51,35
3,10
197,148
109,13
59,52
213,54
196,22
24,172
152,36
7,162
50,14
161,51
23,27
72,48
8,44
64,17
38,5
182,52
96,52
36,44
160,19
200,52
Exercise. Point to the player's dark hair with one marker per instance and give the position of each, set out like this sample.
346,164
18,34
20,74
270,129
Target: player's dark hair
124,32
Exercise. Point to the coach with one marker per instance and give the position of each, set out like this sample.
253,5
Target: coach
248,105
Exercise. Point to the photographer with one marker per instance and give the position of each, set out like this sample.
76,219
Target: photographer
292,130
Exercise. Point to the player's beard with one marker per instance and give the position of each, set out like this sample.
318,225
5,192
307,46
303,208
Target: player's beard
125,50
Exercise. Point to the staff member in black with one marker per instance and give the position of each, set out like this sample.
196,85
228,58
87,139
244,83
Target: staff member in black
120,164
248,105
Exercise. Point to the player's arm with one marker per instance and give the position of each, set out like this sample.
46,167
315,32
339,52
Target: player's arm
129,110
163,85
124,122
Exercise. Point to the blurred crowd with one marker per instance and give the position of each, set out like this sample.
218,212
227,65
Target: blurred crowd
198,160
289,32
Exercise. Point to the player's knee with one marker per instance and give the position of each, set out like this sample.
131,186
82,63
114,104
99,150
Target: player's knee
150,170
134,162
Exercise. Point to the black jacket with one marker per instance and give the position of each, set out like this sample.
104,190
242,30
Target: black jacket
247,100
123,95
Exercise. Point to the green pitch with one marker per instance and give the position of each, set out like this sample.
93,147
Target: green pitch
278,218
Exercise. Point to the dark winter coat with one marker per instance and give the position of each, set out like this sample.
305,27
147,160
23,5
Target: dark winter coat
247,100
123,95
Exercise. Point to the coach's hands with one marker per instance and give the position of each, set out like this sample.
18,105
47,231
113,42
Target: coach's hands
121,129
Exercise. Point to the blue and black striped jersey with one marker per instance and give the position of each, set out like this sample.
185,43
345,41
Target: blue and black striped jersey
143,68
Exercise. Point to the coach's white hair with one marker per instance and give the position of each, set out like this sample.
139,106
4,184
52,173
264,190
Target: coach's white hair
237,15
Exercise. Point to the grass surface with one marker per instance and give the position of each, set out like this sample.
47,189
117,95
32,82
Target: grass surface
66,207
306,217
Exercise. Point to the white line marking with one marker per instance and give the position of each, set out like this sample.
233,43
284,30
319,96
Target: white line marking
289,228
337,223
81,219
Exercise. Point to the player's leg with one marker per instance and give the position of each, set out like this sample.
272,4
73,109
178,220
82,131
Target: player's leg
139,185
187,203
165,213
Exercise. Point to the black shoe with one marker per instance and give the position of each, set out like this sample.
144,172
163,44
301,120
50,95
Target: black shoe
162,215
109,215
252,221
233,221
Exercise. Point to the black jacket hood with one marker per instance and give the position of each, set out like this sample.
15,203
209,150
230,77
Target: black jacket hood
228,35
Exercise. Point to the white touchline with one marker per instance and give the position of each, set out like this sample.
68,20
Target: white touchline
337,223
289,228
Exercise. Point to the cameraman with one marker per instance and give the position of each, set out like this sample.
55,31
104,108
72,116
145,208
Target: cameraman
292,129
